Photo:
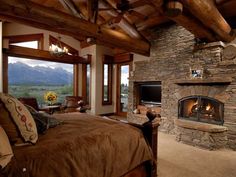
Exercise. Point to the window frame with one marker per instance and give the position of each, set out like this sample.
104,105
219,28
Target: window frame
86,96
107,60
27,38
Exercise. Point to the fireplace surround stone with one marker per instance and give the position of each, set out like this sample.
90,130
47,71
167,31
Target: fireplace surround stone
173,53
204,135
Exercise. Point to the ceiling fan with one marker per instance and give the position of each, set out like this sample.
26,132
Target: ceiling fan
126,7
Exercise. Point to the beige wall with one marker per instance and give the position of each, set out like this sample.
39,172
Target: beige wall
10,29
97,53
1,69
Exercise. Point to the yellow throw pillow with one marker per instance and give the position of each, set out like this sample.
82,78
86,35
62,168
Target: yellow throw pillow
5,149
22,117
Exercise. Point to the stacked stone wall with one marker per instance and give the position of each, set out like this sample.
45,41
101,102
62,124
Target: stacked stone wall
173,53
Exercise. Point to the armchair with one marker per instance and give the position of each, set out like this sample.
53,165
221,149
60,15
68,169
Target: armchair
31,101
71,103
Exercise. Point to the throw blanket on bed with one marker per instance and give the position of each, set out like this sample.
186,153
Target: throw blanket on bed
83,146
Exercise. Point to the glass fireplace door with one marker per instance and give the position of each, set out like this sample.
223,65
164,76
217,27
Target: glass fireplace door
201,109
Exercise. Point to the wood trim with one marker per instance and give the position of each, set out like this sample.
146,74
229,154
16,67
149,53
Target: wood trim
84,84
108,59
43,55
123,58
5,73
26,38
84,81
76,80
53,40
109,89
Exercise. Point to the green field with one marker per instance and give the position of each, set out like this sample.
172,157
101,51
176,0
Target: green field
39,91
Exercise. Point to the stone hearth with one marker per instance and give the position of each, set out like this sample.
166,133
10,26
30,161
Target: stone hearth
172,55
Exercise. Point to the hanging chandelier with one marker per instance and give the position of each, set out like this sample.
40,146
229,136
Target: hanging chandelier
56,49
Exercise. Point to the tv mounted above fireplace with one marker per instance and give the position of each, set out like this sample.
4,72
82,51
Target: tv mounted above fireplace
150,93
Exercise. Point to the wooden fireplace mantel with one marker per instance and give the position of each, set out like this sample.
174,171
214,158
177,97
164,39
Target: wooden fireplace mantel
207,81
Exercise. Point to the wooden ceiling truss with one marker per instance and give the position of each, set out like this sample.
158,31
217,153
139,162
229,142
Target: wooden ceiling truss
124,24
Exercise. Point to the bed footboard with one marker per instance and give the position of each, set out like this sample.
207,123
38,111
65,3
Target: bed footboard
150,132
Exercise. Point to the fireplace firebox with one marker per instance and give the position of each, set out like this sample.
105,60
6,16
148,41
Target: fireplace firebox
201,109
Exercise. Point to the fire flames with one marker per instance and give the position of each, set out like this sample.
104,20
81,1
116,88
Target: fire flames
208,107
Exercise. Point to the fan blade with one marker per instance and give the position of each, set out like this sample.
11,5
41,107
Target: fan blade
137,14
138,4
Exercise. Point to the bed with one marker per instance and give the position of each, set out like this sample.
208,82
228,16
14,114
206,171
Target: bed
87,146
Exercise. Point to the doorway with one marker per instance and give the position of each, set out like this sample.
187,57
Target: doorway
123,72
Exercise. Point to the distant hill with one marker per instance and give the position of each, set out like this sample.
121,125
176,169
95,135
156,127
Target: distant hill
20,73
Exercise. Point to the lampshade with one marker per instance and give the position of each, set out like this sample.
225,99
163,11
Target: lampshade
57,49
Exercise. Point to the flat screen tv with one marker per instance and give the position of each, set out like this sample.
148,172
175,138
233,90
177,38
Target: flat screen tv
150,94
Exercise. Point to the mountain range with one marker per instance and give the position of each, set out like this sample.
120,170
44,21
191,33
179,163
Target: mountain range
21,73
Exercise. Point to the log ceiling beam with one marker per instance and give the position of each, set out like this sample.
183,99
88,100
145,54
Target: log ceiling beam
73,26
151,21
208,14
37,54
124,23
227,9
194,26
70,6
220,1
174,10
92,8
157,3
187,21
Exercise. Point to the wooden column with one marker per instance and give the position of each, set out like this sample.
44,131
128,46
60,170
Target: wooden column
84,83
76,80
5,73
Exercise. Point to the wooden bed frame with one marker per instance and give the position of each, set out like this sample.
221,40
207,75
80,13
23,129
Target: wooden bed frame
150,132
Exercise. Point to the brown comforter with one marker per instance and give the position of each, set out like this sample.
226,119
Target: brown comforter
83,146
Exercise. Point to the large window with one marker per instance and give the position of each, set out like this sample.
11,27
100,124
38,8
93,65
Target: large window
107,84
33,78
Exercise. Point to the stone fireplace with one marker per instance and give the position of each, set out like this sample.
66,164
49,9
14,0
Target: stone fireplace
198,111
201,109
